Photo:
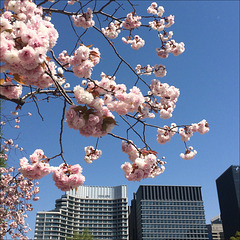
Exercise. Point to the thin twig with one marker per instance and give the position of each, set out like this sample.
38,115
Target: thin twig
33,98
135,131
127,140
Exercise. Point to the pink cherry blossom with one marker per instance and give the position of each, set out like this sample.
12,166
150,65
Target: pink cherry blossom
189,154
136,43
10,91
145,164
84,20
68,177
112,30
131,21
91,154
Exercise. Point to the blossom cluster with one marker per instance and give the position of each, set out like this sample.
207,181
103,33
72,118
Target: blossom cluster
202,127
90,122
165,134
68,177
91,154
171,47
155,10
84,20
38,168
146,70
160,25
189,154
115,96
136,42
25,39
112,30
82,62
159,70
65,176
132,21
144,163
168,45
11,91
8,144
169,96
15,193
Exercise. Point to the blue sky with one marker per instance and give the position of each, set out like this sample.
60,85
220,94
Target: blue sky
207,74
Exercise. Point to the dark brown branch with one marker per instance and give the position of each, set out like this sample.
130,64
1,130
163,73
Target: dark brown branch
18,101
131,127
61,132
54,57
38,110
58,86
127,140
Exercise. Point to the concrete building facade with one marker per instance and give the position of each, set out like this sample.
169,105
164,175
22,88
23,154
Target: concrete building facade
217,228
167,213
102,210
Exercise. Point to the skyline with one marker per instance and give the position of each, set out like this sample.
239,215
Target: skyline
207,74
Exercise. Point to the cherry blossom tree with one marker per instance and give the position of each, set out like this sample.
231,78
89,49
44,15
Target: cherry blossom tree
31,68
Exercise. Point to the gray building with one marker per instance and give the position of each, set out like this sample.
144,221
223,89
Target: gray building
102,210
167,213
228,188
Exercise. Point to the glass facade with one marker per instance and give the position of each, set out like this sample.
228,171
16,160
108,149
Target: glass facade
102,210
228,188
167,213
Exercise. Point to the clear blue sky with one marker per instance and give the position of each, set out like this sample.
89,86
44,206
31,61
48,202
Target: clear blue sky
207,74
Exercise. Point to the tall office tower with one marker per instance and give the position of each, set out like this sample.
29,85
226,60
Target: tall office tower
228,188
101,210
167,213
217,228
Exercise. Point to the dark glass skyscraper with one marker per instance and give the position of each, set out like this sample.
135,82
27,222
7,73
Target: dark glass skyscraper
228,188
167,213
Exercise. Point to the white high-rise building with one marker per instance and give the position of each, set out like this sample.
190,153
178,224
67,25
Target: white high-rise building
102,210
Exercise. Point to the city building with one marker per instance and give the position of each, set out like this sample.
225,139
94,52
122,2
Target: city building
228,188
217,228
101,210
167,213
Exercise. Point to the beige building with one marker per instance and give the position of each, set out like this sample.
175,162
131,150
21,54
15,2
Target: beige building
217,228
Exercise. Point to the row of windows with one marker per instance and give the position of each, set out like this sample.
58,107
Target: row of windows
87,217
97,204
174,237
172,212
82,206
174,221
173,226
173,207
176,193
44,234
99,210
173,231
96,213
40,237
97,221
171,203
173,216
106,226
84,217
72,199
